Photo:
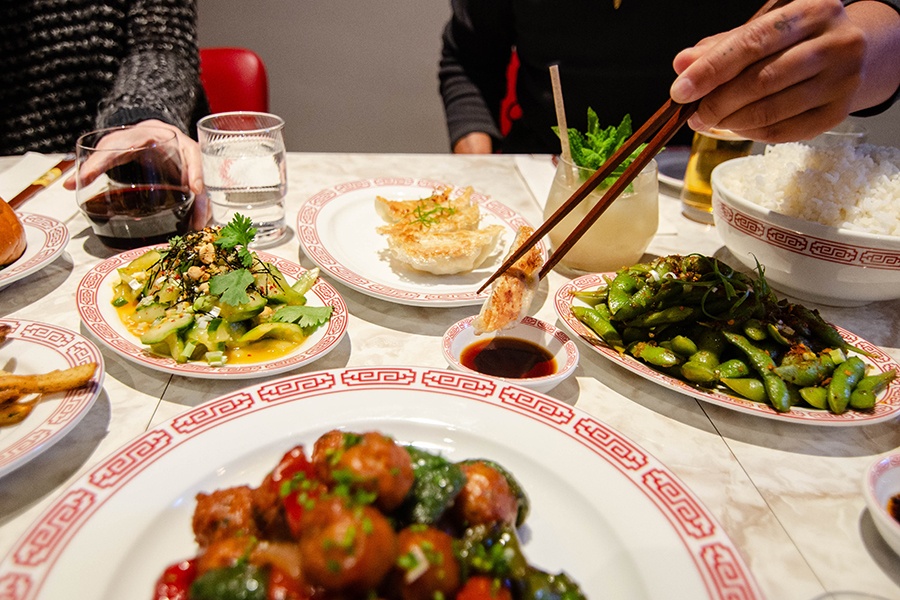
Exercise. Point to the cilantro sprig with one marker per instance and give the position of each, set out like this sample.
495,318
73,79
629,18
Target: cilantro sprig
239,234
231,287
304,316
595,145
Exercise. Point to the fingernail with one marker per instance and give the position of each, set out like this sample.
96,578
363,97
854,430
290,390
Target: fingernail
681,90
696,123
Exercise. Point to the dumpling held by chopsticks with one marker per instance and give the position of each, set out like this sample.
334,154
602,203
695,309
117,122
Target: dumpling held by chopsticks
513,291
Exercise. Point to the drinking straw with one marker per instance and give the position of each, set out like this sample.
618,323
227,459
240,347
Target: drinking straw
561,119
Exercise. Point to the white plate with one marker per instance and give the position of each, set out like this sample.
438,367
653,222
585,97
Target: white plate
337,226
46,238
94,301
887,408
604,510
672,163
34,347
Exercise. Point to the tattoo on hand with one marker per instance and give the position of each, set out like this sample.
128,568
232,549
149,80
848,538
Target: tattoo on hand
784,24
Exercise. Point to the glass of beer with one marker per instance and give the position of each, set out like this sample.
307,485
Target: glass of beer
708,150
622,233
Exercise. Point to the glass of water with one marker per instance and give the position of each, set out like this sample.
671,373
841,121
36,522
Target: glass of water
244,170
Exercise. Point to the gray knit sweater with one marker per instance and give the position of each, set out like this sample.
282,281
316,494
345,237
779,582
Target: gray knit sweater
70,66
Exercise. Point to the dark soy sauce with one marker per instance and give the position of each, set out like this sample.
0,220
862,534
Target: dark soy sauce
893,507
508,357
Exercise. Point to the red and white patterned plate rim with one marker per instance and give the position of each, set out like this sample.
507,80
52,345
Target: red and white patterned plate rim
887,408
95,291
720,570
49,345
47,238
392,287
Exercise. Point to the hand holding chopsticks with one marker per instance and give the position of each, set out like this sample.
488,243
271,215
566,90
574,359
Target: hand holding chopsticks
659,129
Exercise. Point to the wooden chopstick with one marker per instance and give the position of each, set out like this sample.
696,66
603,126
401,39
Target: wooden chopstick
660,138
44,180
662,126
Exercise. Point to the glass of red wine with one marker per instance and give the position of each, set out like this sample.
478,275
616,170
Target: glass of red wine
130,184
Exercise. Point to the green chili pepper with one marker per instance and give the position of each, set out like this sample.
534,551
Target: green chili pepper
843,380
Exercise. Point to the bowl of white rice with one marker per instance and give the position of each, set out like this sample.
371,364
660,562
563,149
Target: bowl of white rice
824,222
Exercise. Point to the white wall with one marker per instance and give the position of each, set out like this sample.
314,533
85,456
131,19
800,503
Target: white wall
346,75
361,75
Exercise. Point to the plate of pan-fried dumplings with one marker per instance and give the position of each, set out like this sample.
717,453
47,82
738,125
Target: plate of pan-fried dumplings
406,240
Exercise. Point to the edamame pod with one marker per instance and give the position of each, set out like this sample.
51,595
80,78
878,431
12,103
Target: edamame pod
653,354
748,387
733,368
815,396
621,289
843,380
863,396
697,372
602,327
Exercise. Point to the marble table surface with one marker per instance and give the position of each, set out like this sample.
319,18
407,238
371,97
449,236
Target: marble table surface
788,495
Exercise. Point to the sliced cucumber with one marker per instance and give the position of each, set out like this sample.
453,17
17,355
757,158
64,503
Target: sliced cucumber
290,332
242,312
272,284
167,326
149,312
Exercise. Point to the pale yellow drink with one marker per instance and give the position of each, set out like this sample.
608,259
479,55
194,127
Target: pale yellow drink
620,236
708,150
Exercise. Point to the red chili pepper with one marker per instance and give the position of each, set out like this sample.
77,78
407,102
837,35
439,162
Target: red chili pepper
296,501
176,580
293,462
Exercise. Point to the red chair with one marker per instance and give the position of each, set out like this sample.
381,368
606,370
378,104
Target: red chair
234,79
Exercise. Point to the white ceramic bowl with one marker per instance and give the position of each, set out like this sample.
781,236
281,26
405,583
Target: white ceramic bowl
564,351
806,260
880,482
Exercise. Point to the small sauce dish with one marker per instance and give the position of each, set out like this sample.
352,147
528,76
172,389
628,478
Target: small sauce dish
881,482
533,354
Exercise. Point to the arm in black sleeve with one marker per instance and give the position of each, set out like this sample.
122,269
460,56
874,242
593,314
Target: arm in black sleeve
477,45
160,76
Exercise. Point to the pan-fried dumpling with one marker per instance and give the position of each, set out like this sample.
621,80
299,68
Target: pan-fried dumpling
513,291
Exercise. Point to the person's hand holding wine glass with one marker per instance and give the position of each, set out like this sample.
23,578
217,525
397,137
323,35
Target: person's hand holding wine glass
137,184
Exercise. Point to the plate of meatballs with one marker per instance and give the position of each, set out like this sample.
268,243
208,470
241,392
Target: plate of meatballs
378,482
